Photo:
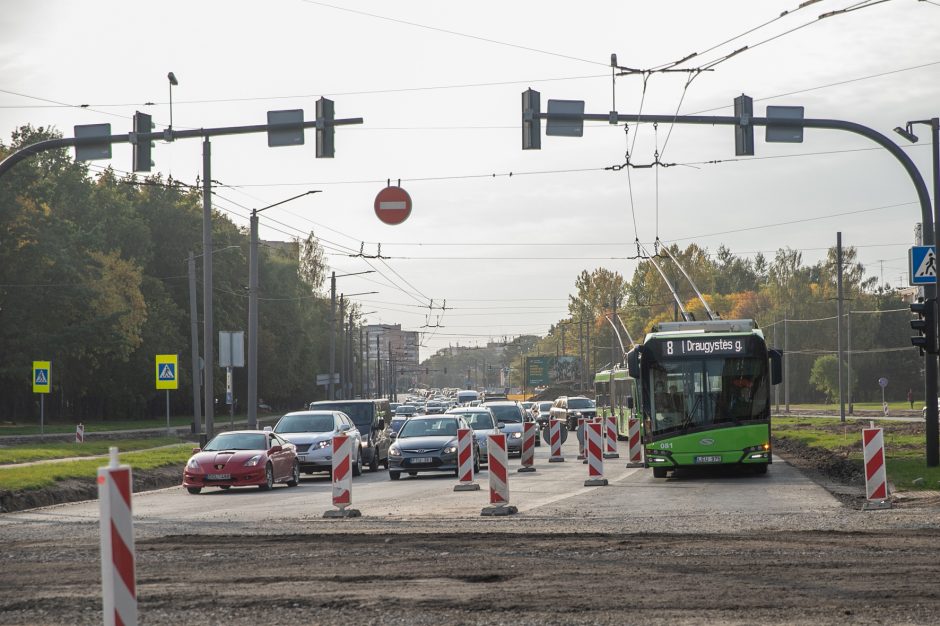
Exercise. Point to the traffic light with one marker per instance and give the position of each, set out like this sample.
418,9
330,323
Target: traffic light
744,132
143,123
531,122
926,325
325,128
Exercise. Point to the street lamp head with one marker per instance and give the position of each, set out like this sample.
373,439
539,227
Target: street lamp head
906,133
172,78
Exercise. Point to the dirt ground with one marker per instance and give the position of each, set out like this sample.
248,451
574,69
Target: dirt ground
458,578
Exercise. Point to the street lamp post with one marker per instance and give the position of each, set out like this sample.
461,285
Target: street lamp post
330,388
932,423
253,310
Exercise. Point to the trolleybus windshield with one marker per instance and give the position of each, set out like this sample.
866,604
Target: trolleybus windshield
697,393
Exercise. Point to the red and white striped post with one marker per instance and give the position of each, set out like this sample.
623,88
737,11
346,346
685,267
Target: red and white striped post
610,437
499,477
118,574
80,433
595,441
582,439
527,455
342,478
636,447
465,461
876,478
554,439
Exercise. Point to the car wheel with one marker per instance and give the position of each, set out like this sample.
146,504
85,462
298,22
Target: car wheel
412,473
385,463
476,465
268,478
225,487
357,468
394,475
294,479
659,472
374,463
194,490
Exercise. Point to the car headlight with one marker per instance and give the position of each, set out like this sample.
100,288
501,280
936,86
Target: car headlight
253,460
326,443
451,449
193,464
515,435
394,451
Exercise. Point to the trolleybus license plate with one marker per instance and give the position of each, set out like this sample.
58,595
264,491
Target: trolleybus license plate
708,459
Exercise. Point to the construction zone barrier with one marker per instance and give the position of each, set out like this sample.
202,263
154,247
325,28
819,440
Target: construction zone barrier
118,573
610,438
342,478
527,455
465,461
80,433
595,458
554,440
499,477
876,478
634,444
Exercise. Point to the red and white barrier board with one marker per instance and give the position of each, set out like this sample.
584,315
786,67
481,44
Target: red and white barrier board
498,469
595,440
118,573
80,433
610,438
342,471
635,446
876,478
554,438
465,461
527,455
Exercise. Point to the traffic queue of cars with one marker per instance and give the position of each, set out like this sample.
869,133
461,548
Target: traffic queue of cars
302,441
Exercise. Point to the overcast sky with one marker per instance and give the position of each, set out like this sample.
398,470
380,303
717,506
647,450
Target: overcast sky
438,85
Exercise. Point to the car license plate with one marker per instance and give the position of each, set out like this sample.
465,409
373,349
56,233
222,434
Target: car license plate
708,459
422,459
218,477
301,457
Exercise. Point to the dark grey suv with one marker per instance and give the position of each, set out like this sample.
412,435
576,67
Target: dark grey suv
570,408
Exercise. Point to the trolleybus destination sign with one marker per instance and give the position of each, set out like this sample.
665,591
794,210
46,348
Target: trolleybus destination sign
701,346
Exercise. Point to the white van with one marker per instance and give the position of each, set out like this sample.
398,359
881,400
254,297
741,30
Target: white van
466,396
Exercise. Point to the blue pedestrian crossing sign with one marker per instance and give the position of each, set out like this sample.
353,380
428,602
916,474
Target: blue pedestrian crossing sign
923,265
41,377
167,371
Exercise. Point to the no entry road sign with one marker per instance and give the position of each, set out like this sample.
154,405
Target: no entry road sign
393,205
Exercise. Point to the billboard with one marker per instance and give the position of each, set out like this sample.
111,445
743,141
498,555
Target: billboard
547,370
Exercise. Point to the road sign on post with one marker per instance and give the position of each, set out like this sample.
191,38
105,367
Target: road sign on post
393,205
784,134
89,151
922,266
167,371
41,376
289,136
231,348
565,118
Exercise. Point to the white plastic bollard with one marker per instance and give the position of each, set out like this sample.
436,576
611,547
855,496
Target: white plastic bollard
554,436
342,478
610,438
118,572
634,443
876,478
595,458
527,455
465,461
499,477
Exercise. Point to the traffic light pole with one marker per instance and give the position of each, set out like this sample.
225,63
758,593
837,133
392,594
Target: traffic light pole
531,139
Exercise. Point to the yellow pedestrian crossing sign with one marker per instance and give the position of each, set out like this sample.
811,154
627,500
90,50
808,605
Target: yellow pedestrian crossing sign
167,371
41,378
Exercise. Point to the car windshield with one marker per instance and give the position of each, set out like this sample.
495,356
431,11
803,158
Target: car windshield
237,441
359,412
507,413
429,428
396,424
545,406
580,403
317,423
480,421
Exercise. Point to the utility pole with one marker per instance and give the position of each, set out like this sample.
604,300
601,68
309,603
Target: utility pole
839,323
363,366
581,351
786,363
587,353
342,343
330,394
378,367
349,349
208,331
613,338
848,359
194,344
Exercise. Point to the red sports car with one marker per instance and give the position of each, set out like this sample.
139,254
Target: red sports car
240,458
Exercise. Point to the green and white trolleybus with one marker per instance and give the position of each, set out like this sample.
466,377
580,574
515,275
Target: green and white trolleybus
704,394
614,390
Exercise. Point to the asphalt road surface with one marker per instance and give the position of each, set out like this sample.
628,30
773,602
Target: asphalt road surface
700,548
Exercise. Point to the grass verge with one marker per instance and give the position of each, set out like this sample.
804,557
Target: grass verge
14,478
904,446
27,452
